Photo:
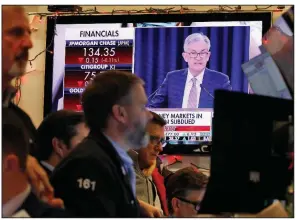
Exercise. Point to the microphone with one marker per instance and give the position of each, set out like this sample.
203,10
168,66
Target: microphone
202,87
153,94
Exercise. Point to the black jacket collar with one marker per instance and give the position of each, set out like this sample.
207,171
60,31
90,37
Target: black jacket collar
107,147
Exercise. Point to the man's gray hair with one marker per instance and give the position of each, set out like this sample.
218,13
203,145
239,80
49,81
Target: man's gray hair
194,38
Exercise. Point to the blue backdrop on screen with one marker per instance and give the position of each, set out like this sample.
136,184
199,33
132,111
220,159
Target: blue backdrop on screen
159,51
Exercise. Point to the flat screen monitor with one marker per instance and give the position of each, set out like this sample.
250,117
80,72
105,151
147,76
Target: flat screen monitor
182,59
249,160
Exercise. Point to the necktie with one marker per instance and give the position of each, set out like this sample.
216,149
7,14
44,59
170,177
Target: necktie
192,101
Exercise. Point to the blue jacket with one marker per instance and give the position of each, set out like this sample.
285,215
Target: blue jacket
170,93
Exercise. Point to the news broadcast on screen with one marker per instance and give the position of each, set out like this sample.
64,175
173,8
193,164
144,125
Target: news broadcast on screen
149,111
181,63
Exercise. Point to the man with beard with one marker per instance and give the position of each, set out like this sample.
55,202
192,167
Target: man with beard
16,43
97,178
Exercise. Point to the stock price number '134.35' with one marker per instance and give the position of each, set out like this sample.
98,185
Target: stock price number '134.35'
107,51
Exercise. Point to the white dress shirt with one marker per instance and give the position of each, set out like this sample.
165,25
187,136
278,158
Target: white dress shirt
13,204
188,87
49,166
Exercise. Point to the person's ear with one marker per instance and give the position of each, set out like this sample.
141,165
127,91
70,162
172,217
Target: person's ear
58,147
185,56
119,113
11,163
175,204
208,55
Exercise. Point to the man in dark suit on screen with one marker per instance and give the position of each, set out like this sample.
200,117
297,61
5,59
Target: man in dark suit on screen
192,87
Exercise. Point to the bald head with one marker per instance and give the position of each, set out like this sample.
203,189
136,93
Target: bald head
9,10
15,42
18,8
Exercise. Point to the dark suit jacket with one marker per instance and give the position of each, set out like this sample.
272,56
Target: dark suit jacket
38,209
92,182
170,94
25,120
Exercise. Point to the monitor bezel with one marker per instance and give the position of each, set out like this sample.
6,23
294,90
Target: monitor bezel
265,17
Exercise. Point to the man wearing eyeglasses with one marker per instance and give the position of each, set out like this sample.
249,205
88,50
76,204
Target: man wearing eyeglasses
144,161
185,191
194,86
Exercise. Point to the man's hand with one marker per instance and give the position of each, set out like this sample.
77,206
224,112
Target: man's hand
54,202
149,211
38,178
40,183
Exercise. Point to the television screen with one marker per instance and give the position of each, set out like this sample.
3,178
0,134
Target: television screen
182,59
